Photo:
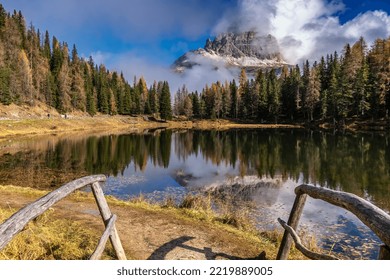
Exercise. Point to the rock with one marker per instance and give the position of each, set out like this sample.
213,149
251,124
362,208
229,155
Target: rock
244,50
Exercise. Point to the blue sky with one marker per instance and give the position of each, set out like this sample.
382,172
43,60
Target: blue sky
143,37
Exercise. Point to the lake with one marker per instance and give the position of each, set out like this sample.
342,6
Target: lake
258,167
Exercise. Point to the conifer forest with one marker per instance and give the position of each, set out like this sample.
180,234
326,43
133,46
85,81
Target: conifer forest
37,67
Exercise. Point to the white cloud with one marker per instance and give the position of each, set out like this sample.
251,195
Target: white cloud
305,29
101,57
132,64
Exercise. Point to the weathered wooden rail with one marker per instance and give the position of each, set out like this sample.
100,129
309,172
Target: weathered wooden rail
373,217
13,225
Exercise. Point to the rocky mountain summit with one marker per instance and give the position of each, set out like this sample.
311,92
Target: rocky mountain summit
244,50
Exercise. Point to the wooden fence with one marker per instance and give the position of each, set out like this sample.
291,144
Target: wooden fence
373,217
19,220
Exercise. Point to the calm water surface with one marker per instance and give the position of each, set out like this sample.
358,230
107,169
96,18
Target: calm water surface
261,167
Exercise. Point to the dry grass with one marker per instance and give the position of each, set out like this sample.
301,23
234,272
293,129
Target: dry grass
224,214
207,208
50,237
55,236
31,127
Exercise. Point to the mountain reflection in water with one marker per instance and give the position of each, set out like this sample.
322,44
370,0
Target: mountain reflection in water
258,166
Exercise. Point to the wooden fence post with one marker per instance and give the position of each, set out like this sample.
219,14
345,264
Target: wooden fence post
293,222
105,212
14,224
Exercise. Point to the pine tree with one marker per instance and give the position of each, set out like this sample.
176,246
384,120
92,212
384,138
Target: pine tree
196,105
179,101
165,102
226,100
287,96
143,95
217,95
89,90
234,104
324,80
304,87
64,82
313,92
347,75
262,108
5,94
3,17
127,101
188,108
379,78
56,58
360,81
46,46
273,95
243,91
153,99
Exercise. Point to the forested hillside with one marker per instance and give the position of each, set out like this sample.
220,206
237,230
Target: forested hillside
34,66
37,67
355,84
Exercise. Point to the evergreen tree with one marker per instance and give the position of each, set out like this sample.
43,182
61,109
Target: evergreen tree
103,91
242,96
165,102
226,100
360,81
64,82
379,77
188,108
313,91
3,16
46,46
234,104
261,82
127,101
89,90
347,75
273,95
196,105
144,107
304,87
5,94
324,80
153,99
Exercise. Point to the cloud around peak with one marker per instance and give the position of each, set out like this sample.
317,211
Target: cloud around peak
305,29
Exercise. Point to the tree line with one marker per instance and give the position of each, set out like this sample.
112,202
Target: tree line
35,67
353,85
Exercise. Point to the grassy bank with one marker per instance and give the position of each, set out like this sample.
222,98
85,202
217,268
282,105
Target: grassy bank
58,125
145,229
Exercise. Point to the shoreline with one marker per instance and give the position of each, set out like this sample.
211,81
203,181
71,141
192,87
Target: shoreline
25,128
28,127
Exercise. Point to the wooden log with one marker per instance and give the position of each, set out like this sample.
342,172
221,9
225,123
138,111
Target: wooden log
105,212
19,220
298,244
293,222
103,240
384,253
372,216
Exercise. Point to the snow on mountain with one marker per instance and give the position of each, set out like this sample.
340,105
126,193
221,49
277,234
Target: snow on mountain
229,50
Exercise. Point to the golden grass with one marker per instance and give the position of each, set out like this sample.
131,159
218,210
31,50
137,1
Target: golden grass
104,123
48,237
51,236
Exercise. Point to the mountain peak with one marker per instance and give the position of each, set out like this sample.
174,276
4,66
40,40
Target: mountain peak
245,50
